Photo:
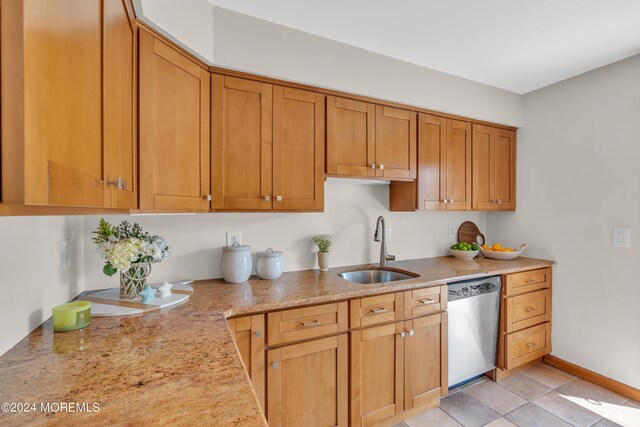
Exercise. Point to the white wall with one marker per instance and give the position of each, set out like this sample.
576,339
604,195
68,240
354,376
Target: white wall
578,176
188,21
250,44
32,281
350,214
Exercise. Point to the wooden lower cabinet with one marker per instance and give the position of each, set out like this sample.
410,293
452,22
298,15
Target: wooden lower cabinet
397,367
307,383
249,335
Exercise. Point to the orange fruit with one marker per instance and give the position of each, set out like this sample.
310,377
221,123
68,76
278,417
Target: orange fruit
485,247
496,247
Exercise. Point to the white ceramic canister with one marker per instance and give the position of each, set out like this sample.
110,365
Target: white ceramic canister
269,264
236,263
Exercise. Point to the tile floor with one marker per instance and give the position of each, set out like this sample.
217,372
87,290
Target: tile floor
541,396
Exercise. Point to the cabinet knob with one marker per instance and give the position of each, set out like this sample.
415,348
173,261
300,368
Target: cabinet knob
258,334
403,334
499,201
411,333
381,166
279,198
275,365
120,183
373,165
267,198
208,197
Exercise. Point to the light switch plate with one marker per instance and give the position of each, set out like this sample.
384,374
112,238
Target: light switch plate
621,237
233,237
452,231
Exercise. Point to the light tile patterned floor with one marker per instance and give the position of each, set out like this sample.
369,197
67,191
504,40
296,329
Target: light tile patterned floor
541,396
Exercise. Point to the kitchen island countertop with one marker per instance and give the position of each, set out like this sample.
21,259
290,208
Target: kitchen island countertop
179,365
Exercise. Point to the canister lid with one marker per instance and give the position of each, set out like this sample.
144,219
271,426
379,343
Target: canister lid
270,253
236,248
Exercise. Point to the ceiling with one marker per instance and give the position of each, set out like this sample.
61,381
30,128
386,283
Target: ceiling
517,45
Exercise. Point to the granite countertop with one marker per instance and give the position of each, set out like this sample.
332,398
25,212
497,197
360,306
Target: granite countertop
179,365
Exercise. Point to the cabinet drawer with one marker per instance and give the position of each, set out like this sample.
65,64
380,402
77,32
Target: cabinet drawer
528,309
305,323
528,281
376,310
420,302
528,344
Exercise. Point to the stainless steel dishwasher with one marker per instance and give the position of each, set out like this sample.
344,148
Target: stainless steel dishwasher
474,310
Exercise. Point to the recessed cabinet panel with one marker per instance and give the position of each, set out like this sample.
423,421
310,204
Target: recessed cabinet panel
350,137
242,148
174,129
431,182
298,149
457,165
395,143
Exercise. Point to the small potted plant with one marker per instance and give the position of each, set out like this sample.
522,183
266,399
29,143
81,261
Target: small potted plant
324,242
129,250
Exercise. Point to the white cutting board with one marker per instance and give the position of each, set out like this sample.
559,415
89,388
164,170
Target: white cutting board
108,302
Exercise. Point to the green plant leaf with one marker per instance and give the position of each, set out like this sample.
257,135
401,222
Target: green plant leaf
109,270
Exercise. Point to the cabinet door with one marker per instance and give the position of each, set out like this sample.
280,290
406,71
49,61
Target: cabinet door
307,384
483,167
174,129
456,164
351,137
377,376
241,157
298,149
119,103
425,360
249,336
431,176
395,142
52,147
504,175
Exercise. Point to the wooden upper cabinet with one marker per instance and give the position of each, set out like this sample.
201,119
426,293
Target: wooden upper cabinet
174,129
119,127
395,143
242,150
307,383
431,180
351,137
494,168
456,165
298,149
52,145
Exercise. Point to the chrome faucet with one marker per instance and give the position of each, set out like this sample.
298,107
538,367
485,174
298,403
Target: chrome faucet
381,236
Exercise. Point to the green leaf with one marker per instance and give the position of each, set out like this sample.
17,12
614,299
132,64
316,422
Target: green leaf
109,270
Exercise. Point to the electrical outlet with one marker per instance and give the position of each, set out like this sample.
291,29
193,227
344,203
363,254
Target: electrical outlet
452,231
388,234
66,254
621,237
233,237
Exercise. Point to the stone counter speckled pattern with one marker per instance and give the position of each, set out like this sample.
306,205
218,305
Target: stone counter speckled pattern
179,366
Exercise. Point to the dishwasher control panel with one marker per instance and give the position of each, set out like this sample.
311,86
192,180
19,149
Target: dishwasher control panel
472,287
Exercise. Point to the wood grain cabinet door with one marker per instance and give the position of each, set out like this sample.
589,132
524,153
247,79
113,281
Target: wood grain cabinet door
307,384
456,164
298,149
377,373
351,137
52,146
242,151
425,360
395,142
431,175
483,167
249,333
504,175
174,129
119,127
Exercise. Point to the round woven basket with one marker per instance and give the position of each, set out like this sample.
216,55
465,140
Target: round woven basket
134,280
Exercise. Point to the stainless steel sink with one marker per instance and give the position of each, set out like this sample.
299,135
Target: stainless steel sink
366,277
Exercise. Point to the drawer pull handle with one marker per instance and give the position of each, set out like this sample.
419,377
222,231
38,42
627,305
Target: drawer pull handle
427,301
529,309
530,344
528,281
378,310
307,324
